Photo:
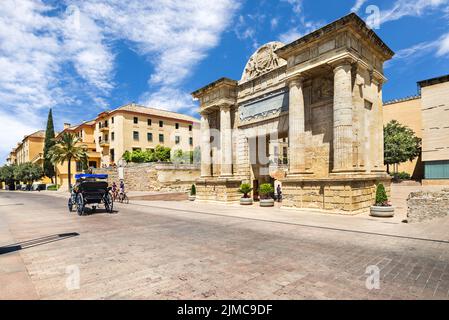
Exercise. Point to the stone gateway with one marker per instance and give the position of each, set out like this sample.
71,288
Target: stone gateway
306,115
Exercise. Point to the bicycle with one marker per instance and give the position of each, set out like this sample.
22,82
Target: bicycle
123,198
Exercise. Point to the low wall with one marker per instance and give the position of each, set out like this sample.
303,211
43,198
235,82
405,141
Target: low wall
155,177
426,205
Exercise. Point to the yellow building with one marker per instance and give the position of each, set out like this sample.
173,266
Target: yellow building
30,149
85,132
407,111
134,127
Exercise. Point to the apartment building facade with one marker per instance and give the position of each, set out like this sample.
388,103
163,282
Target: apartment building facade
30,149
85,132
134,127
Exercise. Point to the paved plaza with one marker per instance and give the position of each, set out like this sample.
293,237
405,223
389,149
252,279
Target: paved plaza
192,250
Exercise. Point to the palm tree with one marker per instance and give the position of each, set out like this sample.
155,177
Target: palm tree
67,148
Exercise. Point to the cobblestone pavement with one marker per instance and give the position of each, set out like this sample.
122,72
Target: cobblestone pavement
197,251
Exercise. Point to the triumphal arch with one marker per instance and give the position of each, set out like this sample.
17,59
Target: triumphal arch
306,115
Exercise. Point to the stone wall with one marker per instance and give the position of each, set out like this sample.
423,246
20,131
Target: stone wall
425,205
155,177
332,195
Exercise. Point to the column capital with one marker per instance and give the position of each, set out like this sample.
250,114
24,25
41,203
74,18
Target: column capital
295,80
225,106
341,63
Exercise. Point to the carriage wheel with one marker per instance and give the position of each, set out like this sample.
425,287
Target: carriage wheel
108,202
70,204
125,199
80,204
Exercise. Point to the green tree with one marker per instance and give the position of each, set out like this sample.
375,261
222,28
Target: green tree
28,172
67,148
381,195
162,154
400,145
7,174
49,168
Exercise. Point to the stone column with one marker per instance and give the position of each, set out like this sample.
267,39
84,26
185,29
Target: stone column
206,169
343,108
226,140
296,131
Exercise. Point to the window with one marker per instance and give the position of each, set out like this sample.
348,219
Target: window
112,120
161,138
93,164
191,141
136,120
161,124
190,127
136,135
79,166
150,137
112,153
112,136
177,126
106,124
149,122
177,139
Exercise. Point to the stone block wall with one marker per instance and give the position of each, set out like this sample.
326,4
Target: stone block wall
156,177
222,190
344,196
424,206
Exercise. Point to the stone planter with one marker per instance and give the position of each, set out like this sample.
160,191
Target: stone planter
246,201
191,198
266,202
382,212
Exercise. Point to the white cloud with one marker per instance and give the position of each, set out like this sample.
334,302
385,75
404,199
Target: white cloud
174,35
274,23
294,33
436,48
296,5
402,8
171,99
39,43
358,5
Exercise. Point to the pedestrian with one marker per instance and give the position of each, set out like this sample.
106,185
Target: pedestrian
122,186
279,193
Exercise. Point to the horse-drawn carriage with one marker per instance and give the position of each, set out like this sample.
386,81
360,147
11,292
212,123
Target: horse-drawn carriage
90,189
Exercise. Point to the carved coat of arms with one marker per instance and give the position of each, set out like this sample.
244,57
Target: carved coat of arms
263,61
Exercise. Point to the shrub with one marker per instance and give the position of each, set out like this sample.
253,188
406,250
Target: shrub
381,196
266,190
245,188
193,190
53,187
401,176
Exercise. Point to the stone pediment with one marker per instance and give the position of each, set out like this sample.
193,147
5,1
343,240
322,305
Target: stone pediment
262,61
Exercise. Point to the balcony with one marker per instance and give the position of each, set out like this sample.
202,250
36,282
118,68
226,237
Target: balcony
104,143
104,128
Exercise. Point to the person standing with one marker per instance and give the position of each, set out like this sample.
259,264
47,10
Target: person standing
279,193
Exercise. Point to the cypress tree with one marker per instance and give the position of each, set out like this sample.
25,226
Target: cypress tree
49,169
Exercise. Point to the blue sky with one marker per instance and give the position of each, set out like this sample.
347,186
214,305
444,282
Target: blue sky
80,57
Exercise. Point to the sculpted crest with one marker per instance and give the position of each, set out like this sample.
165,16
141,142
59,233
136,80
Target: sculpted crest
262,61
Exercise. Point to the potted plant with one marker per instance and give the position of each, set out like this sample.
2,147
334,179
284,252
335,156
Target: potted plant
192,195
266,190
246,200
382,207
